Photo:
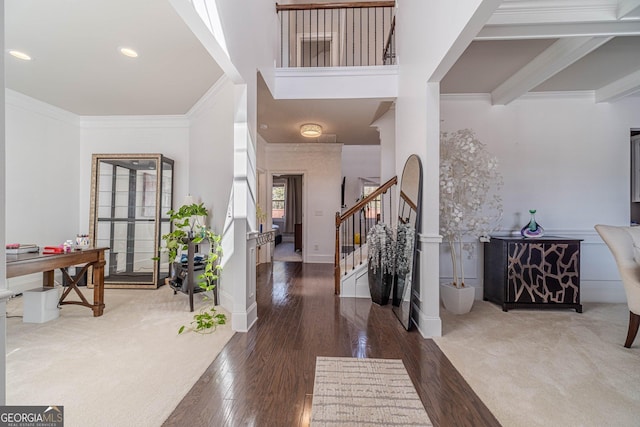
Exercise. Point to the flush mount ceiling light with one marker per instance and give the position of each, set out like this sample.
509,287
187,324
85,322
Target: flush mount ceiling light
19,55
127,51
311,130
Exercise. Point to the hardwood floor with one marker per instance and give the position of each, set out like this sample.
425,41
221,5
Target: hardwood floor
265,377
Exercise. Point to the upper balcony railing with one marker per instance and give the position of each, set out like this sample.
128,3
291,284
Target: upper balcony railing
345,34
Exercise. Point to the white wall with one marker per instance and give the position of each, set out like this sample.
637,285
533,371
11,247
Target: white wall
42,148
386,126
359,161
210,147
167,135
42,187
321,167
241,43
3,283
51,203
565,156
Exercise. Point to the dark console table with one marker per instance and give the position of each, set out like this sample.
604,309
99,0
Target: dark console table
532,272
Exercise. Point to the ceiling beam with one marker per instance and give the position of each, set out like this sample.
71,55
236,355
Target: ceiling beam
629,9
532,11
557,57
465,37
620,88
552,31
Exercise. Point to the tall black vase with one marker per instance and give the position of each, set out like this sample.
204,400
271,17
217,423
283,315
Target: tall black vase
380,285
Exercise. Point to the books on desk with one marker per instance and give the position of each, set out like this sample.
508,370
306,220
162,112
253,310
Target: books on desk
53,250
19,248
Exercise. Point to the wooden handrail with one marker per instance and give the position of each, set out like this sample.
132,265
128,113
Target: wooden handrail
356,208
408,201
337,5
348,214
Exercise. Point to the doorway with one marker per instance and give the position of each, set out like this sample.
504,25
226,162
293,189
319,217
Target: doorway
287,216
317,50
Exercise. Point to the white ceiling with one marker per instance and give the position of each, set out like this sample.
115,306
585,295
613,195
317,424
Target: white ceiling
586,45
77,65
526,46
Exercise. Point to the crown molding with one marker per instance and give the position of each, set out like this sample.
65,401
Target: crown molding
549,11
478,97
555,58
374,148
209,98
555,30
627,85
307,147
555,95
106,122
27,103
577,94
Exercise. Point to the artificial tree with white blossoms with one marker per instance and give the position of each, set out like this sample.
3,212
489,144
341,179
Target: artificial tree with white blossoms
470,201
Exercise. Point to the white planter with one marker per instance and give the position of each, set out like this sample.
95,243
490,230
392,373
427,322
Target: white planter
457,300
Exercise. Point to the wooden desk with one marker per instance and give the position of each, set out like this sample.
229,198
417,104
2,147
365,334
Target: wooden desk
19,265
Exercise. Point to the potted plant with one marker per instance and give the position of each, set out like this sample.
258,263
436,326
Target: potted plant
261,217
381,256
189,226
470,205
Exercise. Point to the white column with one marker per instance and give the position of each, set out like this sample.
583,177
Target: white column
427,46
4,292
386,126
243,262
429,322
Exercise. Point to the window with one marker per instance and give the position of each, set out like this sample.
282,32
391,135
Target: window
277,200
368,189
372,211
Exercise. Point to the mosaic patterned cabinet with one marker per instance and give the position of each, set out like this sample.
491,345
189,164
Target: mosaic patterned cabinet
532,273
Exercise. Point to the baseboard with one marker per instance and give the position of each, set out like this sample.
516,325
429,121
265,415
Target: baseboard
428,326
320,259
226,301
602,291
243,321
605,291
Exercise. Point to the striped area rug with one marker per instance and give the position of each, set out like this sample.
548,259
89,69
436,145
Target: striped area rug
364,392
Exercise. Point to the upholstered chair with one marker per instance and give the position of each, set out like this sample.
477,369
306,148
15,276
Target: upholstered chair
624,243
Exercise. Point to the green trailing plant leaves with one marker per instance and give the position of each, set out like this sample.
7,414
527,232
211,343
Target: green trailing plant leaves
187,226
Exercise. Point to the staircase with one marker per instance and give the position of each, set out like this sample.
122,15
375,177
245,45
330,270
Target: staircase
352,226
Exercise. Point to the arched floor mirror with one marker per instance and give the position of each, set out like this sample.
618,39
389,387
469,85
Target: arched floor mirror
409,208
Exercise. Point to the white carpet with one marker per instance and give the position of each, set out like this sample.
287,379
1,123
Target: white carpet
126,368
548,367
356,392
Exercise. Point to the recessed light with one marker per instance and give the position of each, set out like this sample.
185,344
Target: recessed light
127,51
19,55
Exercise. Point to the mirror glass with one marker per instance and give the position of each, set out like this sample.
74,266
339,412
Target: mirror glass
407,229
131,195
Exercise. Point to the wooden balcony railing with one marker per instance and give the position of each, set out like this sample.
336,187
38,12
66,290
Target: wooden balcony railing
353,226
343,34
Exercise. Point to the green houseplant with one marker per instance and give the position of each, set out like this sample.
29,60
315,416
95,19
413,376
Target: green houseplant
188,222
